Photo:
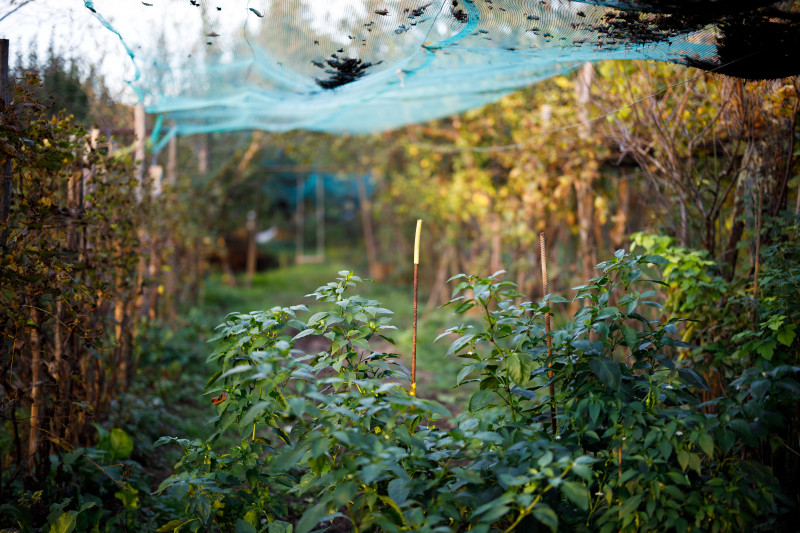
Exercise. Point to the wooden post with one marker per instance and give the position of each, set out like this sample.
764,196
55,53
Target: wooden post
202,154
171,276
300,219
546,290
156,173
139,147
369,235
251,246
5,169
413,390
171,177
495,256
584,182
36,390
320,209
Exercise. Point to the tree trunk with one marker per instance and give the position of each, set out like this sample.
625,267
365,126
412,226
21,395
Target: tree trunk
584,183
620,230
375,270
438,293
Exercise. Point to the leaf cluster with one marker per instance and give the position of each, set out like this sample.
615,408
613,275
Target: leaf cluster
328,435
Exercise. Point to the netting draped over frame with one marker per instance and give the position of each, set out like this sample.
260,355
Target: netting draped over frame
370,65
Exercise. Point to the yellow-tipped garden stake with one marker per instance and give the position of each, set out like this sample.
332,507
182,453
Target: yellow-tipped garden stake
546,290
413,390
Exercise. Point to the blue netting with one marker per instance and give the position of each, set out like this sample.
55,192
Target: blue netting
366,65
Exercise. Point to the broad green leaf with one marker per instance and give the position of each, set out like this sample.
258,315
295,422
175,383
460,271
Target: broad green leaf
525,393
607,371
544,514
398,491
608,312
576,493
582,470
495,513
786,335
64,523
244,527
173,525
320,447
683,459
694,463
514,369
312,517
344,493
279,526
254,412
201,506
304,333
629,335
656,260
288,458
129,498
117,443
462,375
741,427
665,448
759,388
691,377
630,504
726,440
766,349
488,436
460,343
480,400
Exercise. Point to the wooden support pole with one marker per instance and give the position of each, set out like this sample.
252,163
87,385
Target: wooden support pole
369,235
546,290
36,390
320,210
251,246
5,168
300,218
413,390
139,149
171,275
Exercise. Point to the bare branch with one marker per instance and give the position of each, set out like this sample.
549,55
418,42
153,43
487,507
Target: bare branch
22,4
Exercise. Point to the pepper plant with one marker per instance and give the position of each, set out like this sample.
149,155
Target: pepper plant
327,434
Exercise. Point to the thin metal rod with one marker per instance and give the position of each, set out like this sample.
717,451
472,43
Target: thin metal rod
413,390
546,291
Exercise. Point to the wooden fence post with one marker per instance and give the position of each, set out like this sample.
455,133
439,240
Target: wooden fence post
5,169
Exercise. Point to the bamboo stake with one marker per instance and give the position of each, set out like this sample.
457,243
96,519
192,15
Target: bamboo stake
546,290
413,390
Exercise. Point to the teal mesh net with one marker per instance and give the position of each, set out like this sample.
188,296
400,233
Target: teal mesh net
362,66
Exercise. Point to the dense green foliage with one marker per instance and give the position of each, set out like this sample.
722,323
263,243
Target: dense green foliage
674,409
333,435
80,284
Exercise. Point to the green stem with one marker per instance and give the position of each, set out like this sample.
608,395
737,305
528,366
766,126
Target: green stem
525,512
352,520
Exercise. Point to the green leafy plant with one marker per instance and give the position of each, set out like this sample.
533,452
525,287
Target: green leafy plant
327,432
